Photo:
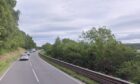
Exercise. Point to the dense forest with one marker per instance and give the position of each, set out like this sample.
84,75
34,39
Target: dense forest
98,50
10,36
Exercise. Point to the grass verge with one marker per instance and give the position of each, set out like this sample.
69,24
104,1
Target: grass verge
70,72
7,58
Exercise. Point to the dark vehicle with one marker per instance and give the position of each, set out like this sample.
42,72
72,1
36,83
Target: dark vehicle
28,53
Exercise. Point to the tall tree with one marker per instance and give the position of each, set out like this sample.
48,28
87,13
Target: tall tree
10,35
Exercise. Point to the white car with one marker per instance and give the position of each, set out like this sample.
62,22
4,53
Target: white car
24,57
33,50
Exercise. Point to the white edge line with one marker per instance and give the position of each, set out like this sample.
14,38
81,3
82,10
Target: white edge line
7,71
76,80
35,75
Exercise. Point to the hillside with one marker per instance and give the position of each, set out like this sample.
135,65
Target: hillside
134,45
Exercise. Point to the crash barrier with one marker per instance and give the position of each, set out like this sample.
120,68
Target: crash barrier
96,76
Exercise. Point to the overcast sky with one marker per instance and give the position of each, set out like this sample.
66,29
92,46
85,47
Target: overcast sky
44,20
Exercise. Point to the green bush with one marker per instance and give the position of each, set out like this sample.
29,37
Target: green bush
131,71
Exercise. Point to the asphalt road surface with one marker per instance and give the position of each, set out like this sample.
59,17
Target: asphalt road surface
36,71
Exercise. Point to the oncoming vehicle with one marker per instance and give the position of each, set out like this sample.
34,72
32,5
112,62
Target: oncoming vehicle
33,50
24,57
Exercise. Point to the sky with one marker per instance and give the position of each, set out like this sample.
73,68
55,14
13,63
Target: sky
45,20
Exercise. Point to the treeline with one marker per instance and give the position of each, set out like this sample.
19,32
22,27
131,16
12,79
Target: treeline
10,36
133,45
98,50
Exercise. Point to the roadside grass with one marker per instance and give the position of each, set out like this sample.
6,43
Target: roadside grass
7,58
70,72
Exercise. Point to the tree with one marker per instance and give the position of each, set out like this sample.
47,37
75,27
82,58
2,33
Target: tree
47,48
10,35
130,71
98,50
106,49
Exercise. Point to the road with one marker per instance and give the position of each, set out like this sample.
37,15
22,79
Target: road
36,71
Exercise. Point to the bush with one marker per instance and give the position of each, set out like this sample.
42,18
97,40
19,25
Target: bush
130,71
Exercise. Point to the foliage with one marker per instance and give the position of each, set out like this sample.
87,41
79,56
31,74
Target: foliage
98,50
8,58
131,71
10,36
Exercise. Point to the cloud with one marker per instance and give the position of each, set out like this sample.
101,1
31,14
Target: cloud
44,20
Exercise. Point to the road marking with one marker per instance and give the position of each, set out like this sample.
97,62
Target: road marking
30,63
76,80
35,75
7,71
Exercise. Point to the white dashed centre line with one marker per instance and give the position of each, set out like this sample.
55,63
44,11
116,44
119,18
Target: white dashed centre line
35,75
34,72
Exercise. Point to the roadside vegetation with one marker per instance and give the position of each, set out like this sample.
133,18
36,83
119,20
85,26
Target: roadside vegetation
12,40
98,50
10,36
7,58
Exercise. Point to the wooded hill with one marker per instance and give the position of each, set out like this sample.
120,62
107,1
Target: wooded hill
10,35
133,45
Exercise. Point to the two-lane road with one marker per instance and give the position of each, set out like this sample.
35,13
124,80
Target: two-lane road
36,71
